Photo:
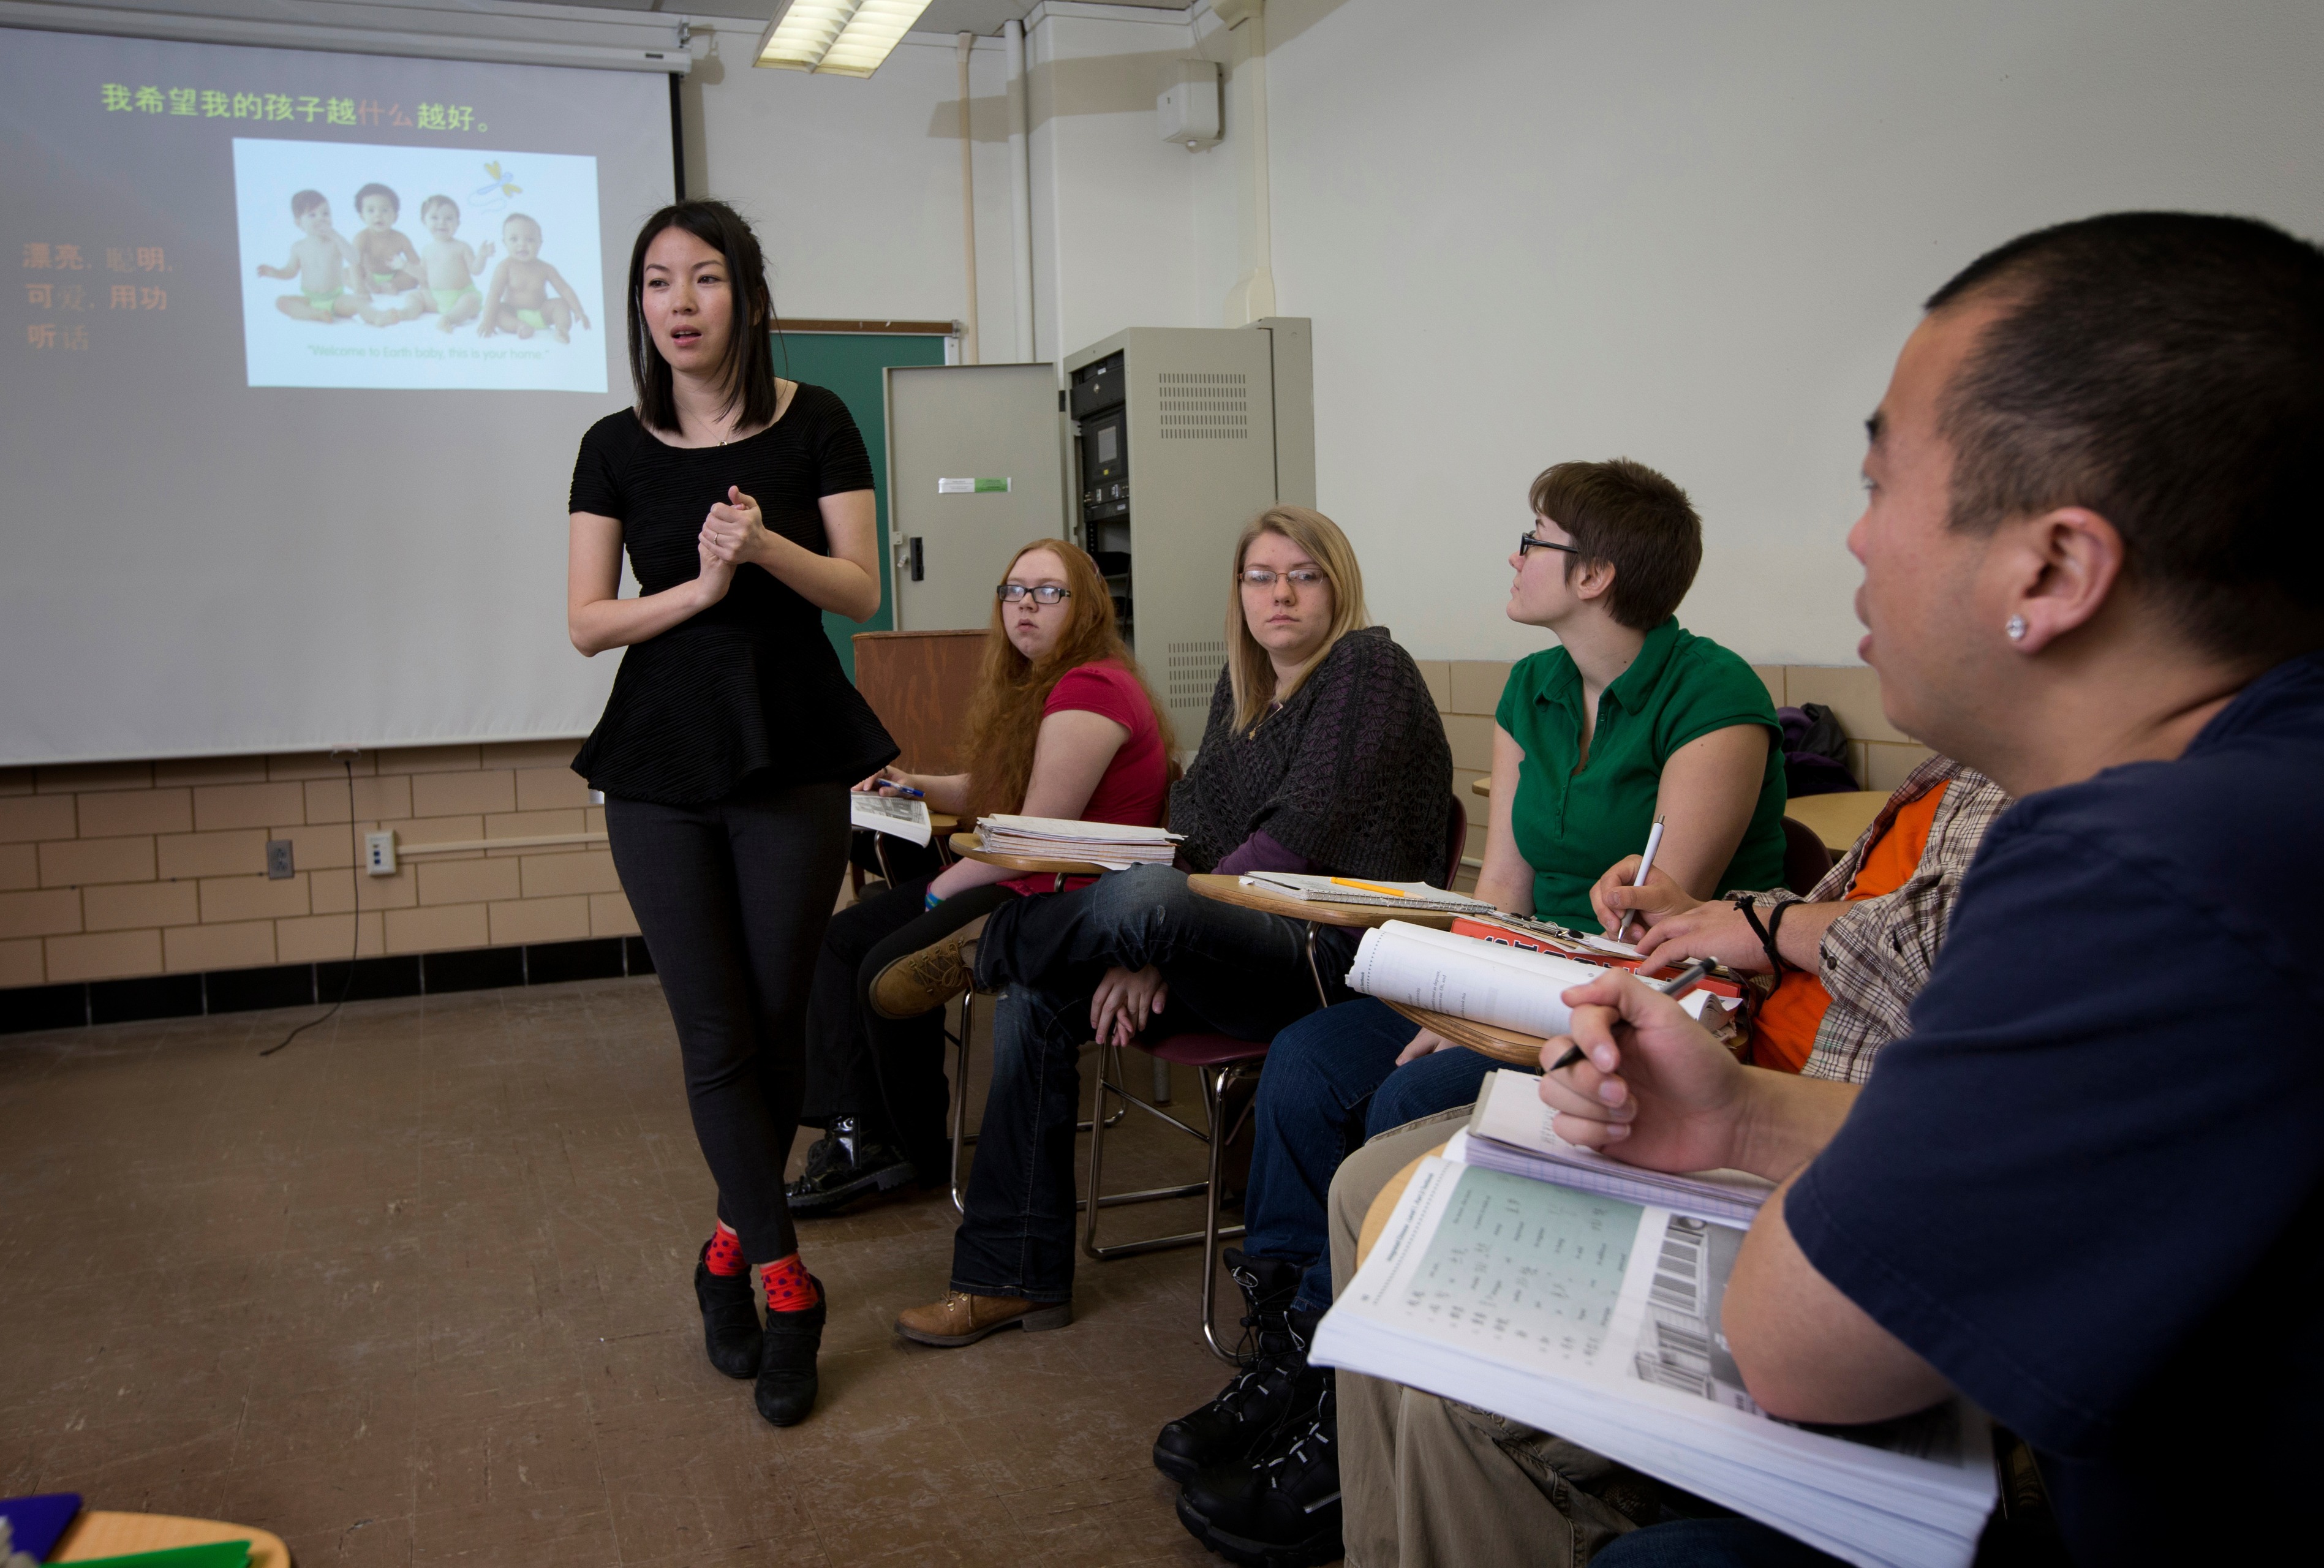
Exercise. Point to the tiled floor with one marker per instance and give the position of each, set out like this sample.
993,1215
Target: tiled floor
416,1291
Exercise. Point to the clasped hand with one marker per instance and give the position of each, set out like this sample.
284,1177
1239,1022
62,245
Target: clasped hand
731,534
1653,1087
1125,999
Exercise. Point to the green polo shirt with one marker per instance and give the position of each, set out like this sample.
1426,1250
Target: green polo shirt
1571,825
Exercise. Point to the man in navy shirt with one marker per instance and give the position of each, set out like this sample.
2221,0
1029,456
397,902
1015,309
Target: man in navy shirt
2088,1189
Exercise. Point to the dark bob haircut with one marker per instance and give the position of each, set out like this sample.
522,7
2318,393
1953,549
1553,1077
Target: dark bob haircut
1624,513
747,366
2166,371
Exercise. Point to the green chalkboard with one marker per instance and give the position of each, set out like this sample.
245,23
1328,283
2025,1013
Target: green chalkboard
849,364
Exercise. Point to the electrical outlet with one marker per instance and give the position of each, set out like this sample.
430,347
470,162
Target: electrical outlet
278,859
378,853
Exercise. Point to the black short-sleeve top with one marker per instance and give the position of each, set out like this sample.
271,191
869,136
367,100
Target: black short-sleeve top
750,688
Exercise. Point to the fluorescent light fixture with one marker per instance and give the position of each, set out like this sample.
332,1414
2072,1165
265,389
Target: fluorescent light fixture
840,37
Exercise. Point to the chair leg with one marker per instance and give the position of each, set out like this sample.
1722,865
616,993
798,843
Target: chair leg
1094,1202
961,1138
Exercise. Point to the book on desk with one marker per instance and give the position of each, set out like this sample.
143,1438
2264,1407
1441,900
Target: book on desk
1558,1298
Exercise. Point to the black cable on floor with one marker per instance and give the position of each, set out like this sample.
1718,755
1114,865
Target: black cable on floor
354,947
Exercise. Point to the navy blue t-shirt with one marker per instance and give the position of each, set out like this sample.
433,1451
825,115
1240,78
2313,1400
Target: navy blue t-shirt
2086,1187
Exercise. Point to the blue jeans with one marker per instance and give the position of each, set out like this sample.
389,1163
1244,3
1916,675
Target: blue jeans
1726,1543
1231,971
1332,1082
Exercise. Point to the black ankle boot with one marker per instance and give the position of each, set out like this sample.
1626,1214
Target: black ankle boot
1230,1427
730,1318
842,1167
786,1391
1280,1510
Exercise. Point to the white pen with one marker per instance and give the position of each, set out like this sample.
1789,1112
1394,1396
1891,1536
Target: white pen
1646,864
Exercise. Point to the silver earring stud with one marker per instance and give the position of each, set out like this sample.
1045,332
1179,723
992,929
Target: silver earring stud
2017,627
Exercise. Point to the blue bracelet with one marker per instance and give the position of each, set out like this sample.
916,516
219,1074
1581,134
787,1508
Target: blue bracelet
933,899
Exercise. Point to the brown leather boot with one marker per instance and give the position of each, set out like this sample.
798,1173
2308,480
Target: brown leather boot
962,1319
924,981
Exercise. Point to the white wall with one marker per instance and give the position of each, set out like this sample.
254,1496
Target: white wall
855,186
1695,234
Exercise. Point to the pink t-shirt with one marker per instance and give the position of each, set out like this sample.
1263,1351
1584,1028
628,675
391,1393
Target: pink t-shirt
1136,787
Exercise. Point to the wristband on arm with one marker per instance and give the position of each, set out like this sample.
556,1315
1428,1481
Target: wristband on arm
934,898
1749,909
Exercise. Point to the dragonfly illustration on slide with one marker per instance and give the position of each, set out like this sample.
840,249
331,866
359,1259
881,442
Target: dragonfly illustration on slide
502,183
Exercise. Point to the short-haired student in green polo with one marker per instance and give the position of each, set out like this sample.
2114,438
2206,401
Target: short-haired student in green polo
1630,717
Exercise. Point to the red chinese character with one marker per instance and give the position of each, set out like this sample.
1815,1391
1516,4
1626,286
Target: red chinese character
39,294
66,259
398,118
72,297
117,260
151,299
74,338
124,296
36,255
148,259
41,334
369,113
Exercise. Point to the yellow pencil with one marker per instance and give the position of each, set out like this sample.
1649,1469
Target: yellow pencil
1367,886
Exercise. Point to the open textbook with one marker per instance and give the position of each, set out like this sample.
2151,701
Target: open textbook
1322,890
1508,987
1599,1320
1112,844
890,813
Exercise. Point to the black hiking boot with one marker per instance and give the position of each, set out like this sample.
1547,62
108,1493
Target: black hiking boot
1280,1510
843,1167
1232,1426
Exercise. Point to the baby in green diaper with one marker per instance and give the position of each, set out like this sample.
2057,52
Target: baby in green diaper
452,265
520,299
321,261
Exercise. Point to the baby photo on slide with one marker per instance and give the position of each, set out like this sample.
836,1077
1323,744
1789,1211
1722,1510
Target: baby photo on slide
426,267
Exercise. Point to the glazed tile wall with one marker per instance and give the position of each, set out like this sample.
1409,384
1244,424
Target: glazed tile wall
120,870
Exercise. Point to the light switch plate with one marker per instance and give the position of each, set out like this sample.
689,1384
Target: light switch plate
278,859
378,853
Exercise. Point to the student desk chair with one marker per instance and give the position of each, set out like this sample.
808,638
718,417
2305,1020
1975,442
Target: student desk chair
102,1533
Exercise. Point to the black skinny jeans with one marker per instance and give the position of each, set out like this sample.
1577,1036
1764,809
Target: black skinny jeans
889,1073
732,897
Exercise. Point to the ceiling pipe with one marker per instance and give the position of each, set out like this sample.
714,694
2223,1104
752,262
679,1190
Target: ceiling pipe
962,44
1021,184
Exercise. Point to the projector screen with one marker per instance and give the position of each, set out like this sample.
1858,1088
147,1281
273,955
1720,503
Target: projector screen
307,342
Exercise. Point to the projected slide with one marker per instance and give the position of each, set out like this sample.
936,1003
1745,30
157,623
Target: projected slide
384,266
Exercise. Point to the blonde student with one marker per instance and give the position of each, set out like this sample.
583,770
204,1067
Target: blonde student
520,300
382,251
452,266
320,261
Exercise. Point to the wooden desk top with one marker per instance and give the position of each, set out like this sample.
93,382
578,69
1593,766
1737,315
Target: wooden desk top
100,1533
1368,1234
971,846
1487,1039
1354,917
1482,784
1841,819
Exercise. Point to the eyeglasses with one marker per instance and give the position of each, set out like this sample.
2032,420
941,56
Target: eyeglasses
1529,540
1044,593
1264,578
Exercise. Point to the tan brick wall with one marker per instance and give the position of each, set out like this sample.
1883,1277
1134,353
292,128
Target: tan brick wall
126,869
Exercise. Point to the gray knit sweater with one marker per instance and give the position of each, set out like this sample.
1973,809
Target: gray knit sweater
1354,773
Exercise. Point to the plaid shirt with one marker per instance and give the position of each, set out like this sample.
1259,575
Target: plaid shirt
1877,955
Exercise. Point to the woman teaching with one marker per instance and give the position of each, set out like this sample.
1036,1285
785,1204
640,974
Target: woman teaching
731,735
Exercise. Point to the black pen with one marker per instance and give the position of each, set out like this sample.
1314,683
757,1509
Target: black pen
1677,986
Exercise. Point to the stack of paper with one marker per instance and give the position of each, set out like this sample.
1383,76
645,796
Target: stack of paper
1484,982
1510,1130
1322,890
1598,1319
1111,845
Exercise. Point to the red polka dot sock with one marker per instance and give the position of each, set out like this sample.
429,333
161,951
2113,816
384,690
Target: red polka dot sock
725,1254
789,1287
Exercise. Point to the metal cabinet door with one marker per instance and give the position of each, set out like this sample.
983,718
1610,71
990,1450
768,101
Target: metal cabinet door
951,430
